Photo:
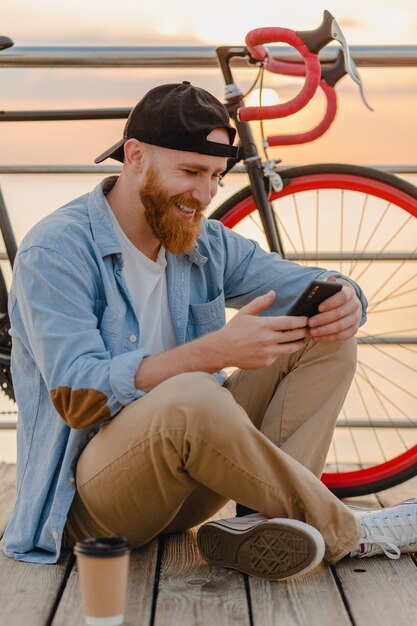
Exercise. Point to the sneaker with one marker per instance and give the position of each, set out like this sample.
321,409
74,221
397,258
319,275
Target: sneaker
388,531
269,548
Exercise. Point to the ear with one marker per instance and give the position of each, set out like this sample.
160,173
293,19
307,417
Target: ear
134,155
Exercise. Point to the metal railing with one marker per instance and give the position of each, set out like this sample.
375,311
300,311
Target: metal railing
164,57
185,56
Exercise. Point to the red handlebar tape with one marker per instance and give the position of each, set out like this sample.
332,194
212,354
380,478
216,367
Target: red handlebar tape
314,133
254,40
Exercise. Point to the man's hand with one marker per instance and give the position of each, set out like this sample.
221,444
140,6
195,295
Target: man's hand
250,342
339,316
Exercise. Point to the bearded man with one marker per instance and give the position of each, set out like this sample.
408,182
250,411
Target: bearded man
126,422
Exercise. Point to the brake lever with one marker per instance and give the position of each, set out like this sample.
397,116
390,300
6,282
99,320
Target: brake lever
350,65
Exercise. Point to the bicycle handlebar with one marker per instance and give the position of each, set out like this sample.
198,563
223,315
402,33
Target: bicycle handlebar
317,131
329,77
308,43
254,41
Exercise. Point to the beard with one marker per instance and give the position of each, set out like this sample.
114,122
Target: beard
177,235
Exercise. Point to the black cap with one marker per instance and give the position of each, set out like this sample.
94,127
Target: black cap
176,116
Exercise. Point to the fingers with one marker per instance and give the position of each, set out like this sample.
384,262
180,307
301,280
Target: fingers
341,328
347,333
339,317
272,352
338,299
258,304
288,336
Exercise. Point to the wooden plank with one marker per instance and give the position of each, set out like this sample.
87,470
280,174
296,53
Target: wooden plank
303,601
28,591
7,493
142,576
192,592
379,590
139,594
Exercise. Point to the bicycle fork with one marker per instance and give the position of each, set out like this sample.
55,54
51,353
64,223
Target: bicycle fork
253,166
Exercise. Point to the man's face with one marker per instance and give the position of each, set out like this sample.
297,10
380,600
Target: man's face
178,188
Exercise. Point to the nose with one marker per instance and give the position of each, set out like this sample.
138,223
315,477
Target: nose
204,190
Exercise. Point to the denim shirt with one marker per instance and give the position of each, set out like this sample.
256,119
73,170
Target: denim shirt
77,343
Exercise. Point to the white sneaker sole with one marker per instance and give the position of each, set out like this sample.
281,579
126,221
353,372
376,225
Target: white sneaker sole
274,549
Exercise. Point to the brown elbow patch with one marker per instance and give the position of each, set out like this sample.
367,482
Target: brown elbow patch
80,408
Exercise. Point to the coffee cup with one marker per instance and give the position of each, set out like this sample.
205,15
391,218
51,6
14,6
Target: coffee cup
103,564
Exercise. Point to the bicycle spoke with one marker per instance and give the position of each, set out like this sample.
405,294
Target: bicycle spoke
300,230
375,229
392,296
394,308
389,380
353,439
384,409
258,225
383,395
393,358
394,273
368,415
358,234
284,229
388,333
381,250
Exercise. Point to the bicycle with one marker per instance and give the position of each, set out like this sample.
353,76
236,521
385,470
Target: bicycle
293,210
279,202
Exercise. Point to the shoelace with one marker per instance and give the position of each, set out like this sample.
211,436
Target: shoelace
390,545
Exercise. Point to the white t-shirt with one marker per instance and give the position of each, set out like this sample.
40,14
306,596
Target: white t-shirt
147,285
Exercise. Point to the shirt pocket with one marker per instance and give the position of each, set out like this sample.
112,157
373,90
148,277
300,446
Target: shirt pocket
209,314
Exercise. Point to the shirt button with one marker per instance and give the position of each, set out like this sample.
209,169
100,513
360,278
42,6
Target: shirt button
55,535
132,338
72,480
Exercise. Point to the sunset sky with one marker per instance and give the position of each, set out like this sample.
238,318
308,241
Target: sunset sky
389,135
185,21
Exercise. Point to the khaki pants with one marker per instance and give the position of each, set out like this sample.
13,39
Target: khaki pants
173,458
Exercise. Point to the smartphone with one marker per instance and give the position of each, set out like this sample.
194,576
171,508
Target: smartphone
316,292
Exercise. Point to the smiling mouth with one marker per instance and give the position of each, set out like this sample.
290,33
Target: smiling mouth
185,210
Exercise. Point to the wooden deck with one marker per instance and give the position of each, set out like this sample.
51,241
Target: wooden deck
170,584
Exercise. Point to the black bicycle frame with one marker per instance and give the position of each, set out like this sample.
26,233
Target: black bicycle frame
248,150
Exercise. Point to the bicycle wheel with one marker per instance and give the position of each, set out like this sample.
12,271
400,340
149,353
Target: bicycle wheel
360,222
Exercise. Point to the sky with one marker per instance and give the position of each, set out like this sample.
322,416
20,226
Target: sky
130,22
389,135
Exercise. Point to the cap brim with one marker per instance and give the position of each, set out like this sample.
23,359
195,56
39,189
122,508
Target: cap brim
115,152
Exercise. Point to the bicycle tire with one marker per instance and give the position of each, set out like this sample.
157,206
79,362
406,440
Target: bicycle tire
369,193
